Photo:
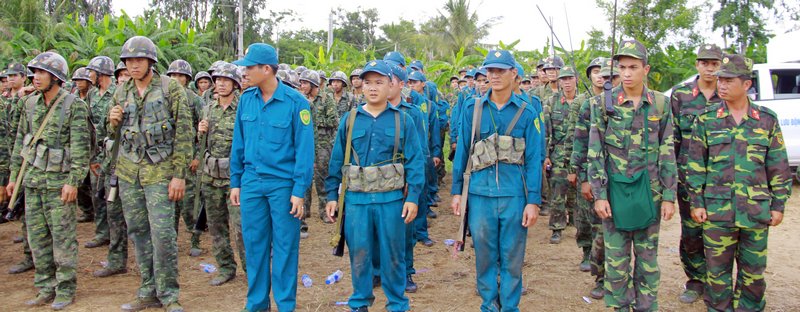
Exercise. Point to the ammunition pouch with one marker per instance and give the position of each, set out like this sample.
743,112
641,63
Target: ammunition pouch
217,168
375,179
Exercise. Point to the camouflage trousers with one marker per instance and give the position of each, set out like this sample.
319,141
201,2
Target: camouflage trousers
584,212
748,248
626,286
100,212
52,234
323,157
185,208
559,189
151,226
222,217
117,232
691,247
598,255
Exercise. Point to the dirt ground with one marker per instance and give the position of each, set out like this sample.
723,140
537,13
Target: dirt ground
550,274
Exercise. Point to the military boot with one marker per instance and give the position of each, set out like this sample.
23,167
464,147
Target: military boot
196,251
24,266
18,239
41,299
411,287
556,237
106,272
96,242
61,302
174,307
690,296
85,218
586,264
222,278
141,304
598,291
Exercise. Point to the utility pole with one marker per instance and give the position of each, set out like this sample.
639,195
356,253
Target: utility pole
240,50
330,36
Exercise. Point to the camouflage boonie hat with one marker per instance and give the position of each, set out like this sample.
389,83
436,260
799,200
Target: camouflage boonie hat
16,69
201,75
311,76
709,52
52,63
735,65
81,74
300,69
229,71
139,46
183,67
214,66
102,65
596,62
605,70
339,75
553,62
631,48
356,72
566,72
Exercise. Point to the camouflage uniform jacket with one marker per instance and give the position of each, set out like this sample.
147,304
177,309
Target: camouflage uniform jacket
738,173
616,145
7,134
580,145
220,134
73,136
560,121
345,103
99,105
326,120
176,165
687,101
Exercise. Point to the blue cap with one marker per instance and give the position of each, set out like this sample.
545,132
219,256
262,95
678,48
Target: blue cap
418,76
520,70
399,72
396,57
259,54
417,64
376,66
482,71
471,73
499,59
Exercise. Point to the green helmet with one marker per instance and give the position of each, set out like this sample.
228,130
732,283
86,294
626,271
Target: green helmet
596,62
120,67
356,72
310,76
214,66
339,75
16,69
139,46
553,62
300,69
201,75
180,67
81,74
566,71
229,71
102,65
51,62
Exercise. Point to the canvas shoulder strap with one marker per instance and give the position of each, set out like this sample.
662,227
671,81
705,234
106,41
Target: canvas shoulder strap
516,118
47,117
65,107
396,134
351,120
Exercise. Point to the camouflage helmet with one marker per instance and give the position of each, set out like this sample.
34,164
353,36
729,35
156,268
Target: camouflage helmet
310,76
180,67
553,62
214,66
300,69
282,75
202,74
81,74
294,79
102,65
322,75
120,67
139,46
16,69
30,73
339,75
596,62
52,63
356,72
229,71
284,66
3,74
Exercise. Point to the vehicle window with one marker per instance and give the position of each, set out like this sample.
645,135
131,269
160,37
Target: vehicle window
753,91
786,83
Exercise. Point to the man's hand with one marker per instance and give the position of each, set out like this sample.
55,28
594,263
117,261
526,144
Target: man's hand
602,208
777,218
10,188
573,179
455,205
193,165
409,212
586,191
437,161
3,197
235,196
530,215
176,189
547,163
69,194
297,207
330,210
202,127
667,210
699,215
93,168
115,116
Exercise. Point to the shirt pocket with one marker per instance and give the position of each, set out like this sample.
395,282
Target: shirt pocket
719,147
389,140
279,131
759,199
757,148
616,133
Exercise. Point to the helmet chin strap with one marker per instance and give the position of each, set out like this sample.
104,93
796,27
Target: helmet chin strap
53,80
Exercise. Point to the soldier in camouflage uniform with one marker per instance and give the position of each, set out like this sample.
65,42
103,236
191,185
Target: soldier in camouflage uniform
82,83
739,180
202,82
181,71
208,94
687,101
619,151
356,83
343,100
560,123
121,73
57,162
154,152
326,120
219,117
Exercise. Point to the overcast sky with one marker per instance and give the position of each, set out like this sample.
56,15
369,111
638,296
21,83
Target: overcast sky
520,19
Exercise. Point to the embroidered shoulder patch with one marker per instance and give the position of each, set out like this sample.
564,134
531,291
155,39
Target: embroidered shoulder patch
305,117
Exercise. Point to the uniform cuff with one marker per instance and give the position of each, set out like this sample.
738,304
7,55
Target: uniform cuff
668,195
600,193
777,206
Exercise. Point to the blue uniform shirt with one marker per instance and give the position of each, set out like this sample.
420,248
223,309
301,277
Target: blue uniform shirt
417,117
431,123
509,180
532,99
373,141
274,139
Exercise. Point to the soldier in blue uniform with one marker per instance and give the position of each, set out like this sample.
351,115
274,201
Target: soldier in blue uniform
271,163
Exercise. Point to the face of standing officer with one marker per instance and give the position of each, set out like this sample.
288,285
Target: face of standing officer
203,84
224,87
123,76
483,83
337,86
181,78
707,70
417,85
138,67
567,84
597,78
632,71
356,82
376,89
501,79
733,89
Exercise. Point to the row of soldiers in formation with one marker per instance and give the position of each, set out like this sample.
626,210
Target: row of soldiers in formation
613,149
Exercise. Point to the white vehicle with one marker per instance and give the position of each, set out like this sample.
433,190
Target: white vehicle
777,86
